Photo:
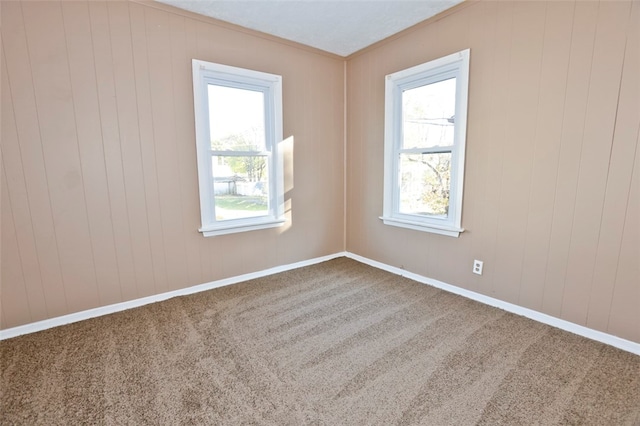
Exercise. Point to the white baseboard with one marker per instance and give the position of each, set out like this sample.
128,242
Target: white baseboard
589,333
117,307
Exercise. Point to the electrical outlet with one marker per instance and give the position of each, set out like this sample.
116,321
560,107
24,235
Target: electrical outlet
477,267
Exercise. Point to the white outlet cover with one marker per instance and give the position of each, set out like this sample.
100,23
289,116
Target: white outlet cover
477,266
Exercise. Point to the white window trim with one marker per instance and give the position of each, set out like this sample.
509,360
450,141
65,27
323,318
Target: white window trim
271,85
454,65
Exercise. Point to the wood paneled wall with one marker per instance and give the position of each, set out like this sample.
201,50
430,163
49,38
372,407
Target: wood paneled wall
552,193
99,183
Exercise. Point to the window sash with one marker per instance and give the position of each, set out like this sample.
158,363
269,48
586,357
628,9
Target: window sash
399,192
205,73
452,66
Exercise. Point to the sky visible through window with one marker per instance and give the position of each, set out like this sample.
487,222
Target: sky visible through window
428,114
236,118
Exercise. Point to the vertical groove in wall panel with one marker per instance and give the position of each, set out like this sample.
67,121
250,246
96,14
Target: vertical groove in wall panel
546,147
624,315
624,319
482,34
168,174
298,124
354,121
291,107
316,93
32,157
182,51
625,144
364,188
208,261
345,135
578,75
306,152
16,299
594,160
2,70
496,143
14,303
103,57
147,143
17,196
305,180
522,87
322,117
49,65
334,108
289,147
87,113
338,157
365,154
351,118
132,164
281,239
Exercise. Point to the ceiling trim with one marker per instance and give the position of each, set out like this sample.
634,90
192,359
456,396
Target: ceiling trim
259,34
224,24
454,9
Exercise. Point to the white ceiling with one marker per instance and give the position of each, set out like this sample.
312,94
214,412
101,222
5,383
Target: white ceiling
337,26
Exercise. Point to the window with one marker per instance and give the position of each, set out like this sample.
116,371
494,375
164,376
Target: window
238,116
425,129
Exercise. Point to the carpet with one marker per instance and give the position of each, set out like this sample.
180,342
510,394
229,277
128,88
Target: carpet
337,343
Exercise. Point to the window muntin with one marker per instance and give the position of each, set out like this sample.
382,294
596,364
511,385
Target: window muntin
238,128
425,129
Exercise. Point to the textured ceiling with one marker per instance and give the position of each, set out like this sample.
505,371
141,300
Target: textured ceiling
336,26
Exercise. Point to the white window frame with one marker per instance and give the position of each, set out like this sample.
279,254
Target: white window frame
454,65
271,85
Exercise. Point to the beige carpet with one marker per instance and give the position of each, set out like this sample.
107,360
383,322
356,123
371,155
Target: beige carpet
338,343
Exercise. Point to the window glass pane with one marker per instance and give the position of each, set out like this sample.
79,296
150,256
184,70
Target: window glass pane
425,184
236,119
428,115
240,186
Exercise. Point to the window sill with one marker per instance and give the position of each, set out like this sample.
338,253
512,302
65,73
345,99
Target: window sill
240,227
450,231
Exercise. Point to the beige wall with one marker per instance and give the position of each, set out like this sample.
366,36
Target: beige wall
99,183
551,200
